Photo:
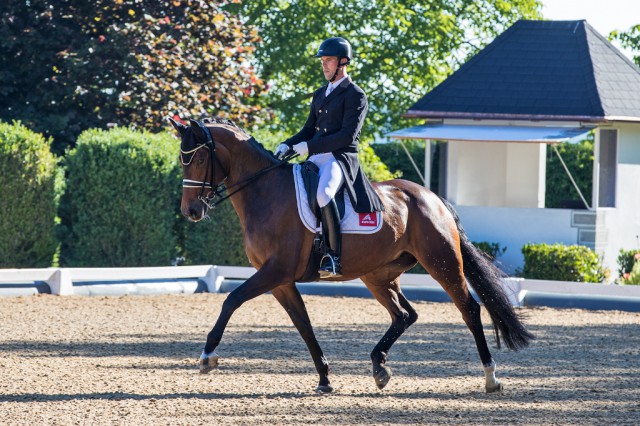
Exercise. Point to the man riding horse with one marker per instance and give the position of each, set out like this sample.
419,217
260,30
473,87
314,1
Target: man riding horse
330,138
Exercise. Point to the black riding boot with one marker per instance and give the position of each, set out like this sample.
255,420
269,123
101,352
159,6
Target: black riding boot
330,264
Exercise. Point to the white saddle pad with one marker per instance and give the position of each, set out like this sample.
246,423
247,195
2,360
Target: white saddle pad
351,223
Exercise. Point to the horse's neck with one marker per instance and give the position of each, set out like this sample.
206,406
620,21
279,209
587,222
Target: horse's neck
247,162
257,202
253,172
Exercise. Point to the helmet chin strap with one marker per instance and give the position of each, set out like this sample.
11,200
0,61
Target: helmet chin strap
335,74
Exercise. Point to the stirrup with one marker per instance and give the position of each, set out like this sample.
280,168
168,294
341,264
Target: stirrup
330,268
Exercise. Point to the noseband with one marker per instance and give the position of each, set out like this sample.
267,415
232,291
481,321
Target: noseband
209,199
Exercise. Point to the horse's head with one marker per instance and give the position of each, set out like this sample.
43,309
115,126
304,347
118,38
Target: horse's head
203,172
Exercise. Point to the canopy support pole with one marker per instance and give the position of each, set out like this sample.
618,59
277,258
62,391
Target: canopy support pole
415,166
575,185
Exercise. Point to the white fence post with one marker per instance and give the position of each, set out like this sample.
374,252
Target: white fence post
60,282
213,279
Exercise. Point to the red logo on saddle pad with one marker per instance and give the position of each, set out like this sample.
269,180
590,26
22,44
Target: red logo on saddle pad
368,219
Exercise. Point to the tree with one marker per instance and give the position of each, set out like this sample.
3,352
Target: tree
560,192
402,48
629,39
68,65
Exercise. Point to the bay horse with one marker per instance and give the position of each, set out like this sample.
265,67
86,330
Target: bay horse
419,227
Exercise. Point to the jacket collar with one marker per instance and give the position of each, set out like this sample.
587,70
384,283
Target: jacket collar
341,87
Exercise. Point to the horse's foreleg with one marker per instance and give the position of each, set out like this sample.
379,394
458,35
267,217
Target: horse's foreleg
402,316
290,299
261,282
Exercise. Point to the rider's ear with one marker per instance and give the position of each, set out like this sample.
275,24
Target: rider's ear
176,125
198,131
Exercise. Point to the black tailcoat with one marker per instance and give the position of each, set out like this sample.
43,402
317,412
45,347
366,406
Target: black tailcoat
334,125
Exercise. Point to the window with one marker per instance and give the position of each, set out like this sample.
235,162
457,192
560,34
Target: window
607,162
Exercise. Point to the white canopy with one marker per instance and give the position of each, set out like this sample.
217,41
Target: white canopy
492,133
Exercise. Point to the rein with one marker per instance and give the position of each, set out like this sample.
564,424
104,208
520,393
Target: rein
209,199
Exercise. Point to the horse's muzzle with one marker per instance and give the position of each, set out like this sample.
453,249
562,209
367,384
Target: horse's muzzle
194,213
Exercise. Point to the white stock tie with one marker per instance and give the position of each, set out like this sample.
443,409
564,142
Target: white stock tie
329,90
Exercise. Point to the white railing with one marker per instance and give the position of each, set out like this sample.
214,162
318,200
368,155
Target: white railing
61,280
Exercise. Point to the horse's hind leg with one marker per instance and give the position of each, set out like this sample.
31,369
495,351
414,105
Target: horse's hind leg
290,299
402,316
448,272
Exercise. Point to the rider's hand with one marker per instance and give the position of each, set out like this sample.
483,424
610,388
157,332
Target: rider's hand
281,150
301,149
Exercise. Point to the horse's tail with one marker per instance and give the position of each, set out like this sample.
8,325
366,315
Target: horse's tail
485,278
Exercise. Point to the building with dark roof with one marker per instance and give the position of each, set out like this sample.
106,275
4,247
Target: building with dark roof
540,70
537,84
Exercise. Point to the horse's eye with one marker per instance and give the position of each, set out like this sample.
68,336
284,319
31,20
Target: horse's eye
200,161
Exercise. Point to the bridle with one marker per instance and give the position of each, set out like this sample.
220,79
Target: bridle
209,199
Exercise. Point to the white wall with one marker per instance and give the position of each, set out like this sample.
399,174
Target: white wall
619,227
496,174
515,227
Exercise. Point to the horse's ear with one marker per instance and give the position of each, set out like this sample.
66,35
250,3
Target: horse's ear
176,125
198,130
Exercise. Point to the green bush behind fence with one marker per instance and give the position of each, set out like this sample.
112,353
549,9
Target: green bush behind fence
121,200
562,263
28,198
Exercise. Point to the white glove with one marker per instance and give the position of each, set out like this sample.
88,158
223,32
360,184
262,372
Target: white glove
301,149
281,150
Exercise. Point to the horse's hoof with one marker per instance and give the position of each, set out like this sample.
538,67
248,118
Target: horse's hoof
497,387
382,377
323,390
208,362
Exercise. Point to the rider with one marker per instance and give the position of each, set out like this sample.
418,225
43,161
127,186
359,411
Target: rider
330,137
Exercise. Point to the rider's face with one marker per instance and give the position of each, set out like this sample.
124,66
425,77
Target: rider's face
329,65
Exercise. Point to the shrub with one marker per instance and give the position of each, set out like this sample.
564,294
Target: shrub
633,276
625,261
493,250
121,200
217,241
562,263
28,192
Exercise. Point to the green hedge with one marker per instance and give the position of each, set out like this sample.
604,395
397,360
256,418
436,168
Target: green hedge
28,190
216,241
121,202
562,263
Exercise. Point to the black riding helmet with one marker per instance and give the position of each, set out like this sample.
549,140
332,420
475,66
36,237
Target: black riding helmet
335,46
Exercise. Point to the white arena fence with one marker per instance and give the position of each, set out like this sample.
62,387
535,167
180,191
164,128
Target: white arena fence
222,279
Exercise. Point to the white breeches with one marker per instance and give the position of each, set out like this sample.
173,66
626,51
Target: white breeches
331,178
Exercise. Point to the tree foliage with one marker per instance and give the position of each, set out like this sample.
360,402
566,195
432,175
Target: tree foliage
402,48
70,65
560,192
629,39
